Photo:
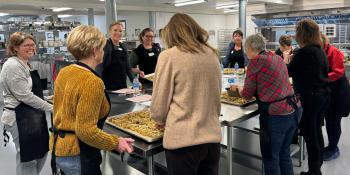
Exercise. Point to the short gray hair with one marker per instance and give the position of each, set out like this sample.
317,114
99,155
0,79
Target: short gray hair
257,42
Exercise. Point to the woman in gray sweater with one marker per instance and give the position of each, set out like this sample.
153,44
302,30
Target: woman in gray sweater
24,115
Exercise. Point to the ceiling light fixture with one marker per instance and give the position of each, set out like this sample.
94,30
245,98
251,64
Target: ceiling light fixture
230,10
55,9
63,16
225,6
188,2
102,0
4,14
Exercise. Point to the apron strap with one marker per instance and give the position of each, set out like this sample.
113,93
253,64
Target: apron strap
56,132
6,136
4,133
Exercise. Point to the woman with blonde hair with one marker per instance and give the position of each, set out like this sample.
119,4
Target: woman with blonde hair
115,66
186,97
81,108
23,114
309,71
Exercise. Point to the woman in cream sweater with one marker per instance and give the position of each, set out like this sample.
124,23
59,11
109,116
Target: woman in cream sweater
186,98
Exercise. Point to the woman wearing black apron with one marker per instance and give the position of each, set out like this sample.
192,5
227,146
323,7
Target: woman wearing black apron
235,53
280,110
81,108
145,55
24,115
115,66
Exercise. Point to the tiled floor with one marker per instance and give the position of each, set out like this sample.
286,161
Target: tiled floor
243,165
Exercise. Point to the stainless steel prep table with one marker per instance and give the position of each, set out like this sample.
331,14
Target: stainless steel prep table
231,115
146,150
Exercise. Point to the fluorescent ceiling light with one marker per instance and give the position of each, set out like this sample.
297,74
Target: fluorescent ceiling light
102,0
63,16
4,14
225,6
230,10
55,9
188,2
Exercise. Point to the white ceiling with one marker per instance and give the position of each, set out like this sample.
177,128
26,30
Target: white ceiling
38,7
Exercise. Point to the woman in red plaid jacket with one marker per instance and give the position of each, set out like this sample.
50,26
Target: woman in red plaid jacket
280,111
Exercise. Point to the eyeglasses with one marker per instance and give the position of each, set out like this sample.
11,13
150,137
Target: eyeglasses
149,36
28,45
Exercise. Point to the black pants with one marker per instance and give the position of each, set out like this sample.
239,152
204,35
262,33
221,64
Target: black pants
194,160
314,106
333,126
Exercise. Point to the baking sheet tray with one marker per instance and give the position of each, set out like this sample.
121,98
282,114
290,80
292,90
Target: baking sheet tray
149,77
130,114
224,100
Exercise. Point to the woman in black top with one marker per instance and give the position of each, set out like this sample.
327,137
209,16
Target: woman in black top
309,70
115,60
285,49
145,56
235,53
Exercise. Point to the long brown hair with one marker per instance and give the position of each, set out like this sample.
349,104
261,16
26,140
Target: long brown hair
307,33
15,40
184,32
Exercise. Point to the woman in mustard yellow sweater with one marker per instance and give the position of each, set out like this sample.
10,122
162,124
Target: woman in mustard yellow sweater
80,109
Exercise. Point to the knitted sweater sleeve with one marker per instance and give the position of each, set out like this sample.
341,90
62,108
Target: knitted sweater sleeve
87,116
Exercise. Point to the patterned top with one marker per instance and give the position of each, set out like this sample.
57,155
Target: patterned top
267,76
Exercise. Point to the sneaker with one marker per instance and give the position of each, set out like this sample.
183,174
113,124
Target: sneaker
329,155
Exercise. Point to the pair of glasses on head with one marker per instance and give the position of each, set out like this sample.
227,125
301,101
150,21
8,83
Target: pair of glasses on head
28,45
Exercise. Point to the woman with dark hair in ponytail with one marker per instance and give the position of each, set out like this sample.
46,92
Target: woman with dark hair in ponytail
143,59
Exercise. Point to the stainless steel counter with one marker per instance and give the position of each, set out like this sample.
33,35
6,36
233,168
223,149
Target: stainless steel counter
146,150
231,115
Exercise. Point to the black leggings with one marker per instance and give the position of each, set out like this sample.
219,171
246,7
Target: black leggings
333,127
314,109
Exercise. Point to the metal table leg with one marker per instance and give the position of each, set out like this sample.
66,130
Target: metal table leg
301,154
229,149
150,165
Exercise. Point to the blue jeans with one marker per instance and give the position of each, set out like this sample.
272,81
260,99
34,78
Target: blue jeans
70,165
276,135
